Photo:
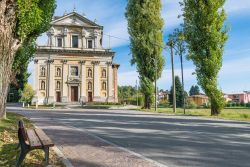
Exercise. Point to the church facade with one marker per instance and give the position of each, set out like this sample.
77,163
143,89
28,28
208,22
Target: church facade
74,66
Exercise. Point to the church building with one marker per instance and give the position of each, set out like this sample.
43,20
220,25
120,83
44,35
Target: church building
74,66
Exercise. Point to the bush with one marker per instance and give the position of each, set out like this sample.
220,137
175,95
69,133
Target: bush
248,105
191,105
229,104
242,104
206,105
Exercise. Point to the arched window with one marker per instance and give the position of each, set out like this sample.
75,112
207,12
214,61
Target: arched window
58,72
42,85
42,73
89,86
104,73
104,86
58,85
89,73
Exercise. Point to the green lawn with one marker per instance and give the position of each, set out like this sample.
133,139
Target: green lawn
8,144
232,113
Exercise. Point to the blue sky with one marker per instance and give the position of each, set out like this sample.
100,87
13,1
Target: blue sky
235,73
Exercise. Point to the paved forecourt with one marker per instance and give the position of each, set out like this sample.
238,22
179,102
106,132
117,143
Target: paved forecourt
131,138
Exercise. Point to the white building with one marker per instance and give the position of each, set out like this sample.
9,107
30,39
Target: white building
74,67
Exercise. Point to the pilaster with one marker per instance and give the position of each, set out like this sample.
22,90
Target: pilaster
51,83
64,80
110,83
96,81
83,82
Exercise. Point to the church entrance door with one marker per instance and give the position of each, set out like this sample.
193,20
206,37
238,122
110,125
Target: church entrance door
58,96
74,93
90,99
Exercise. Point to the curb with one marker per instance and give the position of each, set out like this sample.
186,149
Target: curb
58,152
65,161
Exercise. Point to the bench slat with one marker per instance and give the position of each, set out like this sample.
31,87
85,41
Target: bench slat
33,139
45,140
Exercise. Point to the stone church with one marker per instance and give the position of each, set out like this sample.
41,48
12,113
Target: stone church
74,66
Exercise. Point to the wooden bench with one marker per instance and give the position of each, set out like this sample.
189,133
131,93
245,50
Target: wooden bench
31,139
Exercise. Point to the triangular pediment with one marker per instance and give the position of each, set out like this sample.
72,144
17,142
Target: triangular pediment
74,19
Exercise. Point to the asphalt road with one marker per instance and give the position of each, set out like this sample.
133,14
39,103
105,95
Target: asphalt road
174,141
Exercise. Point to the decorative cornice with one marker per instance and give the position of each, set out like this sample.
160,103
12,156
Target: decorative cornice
87,52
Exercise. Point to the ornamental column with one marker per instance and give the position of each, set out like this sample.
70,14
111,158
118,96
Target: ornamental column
110,82
51,82
83,81
64,81
115,80
96,81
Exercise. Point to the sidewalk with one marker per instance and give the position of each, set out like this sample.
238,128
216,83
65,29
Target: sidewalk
86,150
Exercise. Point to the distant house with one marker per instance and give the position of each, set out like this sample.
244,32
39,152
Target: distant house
242,97
199,100
163,95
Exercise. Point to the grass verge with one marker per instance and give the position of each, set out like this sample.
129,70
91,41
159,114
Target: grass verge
231,114
8,145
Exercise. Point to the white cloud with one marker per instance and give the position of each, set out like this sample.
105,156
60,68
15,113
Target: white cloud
233,6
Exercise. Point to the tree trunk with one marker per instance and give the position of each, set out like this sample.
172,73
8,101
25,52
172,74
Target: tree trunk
147,103
8,47
214,110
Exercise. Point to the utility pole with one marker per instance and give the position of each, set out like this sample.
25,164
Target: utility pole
136,93
182,80
171,44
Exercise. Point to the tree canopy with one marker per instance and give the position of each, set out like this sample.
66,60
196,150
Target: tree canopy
27,94
22,21
206,35
194,90
145,28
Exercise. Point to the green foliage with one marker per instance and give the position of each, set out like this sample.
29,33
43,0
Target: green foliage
194,90
179,93
27,94
145,28
34,17
20,73
147,88
206,36
192,105
128,95
179,42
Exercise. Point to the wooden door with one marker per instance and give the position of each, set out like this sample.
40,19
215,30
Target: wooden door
74,93
90,99
58,96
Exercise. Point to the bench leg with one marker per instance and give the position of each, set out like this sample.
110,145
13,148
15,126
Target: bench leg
22,155
46,151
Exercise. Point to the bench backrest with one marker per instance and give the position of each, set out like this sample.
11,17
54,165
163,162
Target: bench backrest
22,134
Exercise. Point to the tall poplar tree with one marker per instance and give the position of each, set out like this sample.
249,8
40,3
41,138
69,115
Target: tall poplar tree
145,28
21,21
206,36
